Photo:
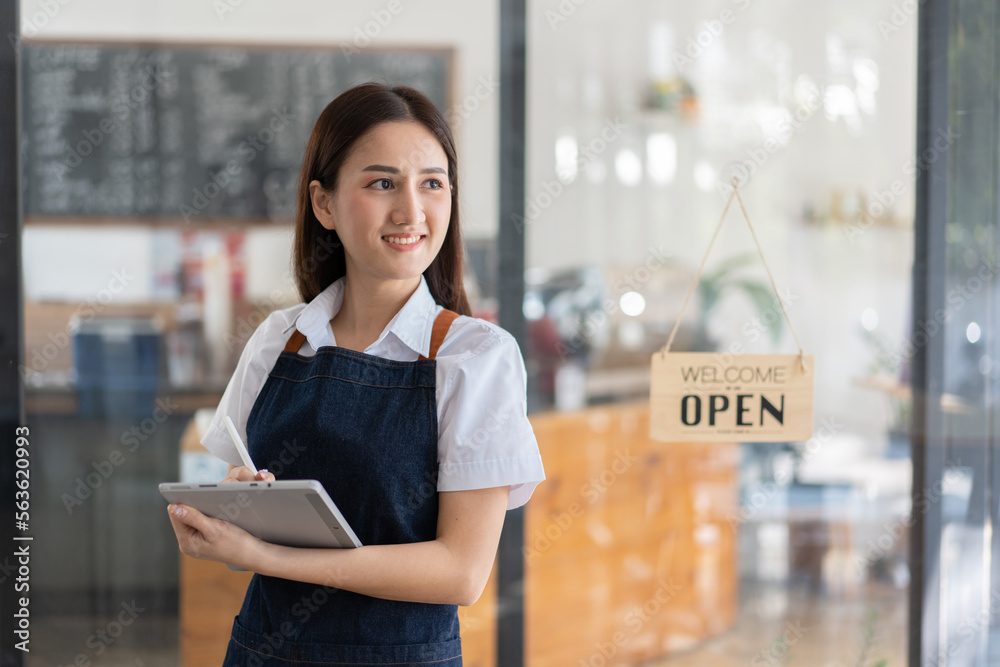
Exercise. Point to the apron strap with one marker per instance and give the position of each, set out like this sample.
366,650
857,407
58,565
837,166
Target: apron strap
441,325
295,342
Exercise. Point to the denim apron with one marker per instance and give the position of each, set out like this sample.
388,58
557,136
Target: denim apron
366,428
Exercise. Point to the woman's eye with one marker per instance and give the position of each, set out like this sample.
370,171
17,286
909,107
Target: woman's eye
435,184
381,184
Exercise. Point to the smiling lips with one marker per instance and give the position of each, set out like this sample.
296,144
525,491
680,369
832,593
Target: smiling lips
404,242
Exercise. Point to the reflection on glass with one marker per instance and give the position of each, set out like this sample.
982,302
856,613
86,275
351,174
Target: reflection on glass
661,158
800,549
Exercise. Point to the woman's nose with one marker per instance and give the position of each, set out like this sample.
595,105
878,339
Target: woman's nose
408,208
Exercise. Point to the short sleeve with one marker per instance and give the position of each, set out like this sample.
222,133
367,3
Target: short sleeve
237,401
484,436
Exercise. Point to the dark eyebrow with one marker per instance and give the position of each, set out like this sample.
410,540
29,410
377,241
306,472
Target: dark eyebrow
393,170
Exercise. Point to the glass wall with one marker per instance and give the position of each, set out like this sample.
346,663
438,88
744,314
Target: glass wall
640,115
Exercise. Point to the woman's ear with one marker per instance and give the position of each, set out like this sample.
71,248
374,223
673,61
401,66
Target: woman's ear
322,204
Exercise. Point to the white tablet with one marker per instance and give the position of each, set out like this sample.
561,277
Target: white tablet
294,513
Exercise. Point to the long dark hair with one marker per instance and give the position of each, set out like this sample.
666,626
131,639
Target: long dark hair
318,258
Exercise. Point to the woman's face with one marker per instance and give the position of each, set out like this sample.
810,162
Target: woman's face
392,204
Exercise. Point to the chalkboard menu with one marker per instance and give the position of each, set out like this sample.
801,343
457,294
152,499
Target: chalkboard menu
187,133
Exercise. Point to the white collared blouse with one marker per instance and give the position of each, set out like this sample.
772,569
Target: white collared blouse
484,436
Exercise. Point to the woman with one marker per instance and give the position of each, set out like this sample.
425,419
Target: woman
383,387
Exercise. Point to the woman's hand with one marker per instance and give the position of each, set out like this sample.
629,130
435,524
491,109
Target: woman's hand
244,474
201,536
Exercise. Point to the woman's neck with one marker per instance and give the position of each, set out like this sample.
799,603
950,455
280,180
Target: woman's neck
369,306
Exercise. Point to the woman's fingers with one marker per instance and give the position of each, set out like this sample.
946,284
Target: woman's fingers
192,528
189,516
198,529
201,536
244,474
240,474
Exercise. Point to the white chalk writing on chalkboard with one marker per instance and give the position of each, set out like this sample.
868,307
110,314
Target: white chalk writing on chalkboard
184,132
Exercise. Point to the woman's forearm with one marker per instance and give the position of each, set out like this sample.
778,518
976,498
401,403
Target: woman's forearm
451,569
419,572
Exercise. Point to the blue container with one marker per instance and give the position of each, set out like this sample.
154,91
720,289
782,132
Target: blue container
118,364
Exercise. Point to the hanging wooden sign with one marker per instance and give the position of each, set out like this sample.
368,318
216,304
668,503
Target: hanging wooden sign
707,397
716,397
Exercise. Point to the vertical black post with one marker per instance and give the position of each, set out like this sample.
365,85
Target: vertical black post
11,396
929,275
510,565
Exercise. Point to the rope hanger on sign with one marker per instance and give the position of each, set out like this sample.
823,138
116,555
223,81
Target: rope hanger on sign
746,216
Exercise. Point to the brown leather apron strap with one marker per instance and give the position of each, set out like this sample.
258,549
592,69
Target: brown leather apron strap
441,325
295,342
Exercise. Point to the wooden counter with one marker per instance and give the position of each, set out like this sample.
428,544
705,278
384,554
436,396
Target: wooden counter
629,551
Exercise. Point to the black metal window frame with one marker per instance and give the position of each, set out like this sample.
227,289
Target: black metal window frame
510,282
947,43
928,295
11,325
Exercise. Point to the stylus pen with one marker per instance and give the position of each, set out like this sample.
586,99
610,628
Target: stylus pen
240,447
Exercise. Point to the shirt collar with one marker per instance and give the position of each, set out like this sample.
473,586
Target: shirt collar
411,325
